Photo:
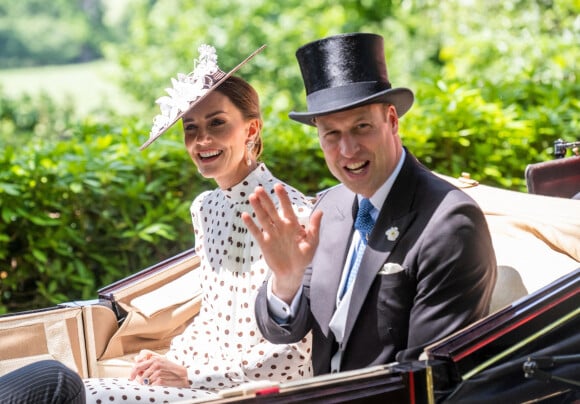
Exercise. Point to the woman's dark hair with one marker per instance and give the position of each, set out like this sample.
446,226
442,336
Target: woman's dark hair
246,99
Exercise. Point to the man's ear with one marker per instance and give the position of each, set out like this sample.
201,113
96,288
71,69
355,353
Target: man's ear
392,117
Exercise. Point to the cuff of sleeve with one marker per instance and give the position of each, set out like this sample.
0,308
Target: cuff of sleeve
280,311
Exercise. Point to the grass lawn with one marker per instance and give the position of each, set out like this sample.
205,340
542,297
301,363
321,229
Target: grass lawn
88,85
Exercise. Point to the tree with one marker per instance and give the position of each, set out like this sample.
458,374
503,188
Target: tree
496,81
37,32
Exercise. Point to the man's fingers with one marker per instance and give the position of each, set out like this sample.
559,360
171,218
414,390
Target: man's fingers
262,215
285,203
265,211
315,220
267,204
251,225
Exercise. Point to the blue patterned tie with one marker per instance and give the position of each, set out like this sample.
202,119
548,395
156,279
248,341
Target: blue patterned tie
364,224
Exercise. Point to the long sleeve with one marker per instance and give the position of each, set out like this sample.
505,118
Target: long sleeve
223,346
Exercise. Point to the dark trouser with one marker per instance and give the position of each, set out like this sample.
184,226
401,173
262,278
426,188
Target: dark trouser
43,382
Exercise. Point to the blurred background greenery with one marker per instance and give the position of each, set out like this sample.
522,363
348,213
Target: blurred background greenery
496,83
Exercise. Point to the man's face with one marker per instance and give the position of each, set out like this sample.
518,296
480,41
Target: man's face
361,145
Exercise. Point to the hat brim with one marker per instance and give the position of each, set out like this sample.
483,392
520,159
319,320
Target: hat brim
402,98
200,99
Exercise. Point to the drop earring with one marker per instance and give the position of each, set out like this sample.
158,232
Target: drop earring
249,148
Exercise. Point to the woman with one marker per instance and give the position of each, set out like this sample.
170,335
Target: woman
223,347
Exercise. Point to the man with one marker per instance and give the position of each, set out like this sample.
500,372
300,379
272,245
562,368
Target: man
383,291
45,381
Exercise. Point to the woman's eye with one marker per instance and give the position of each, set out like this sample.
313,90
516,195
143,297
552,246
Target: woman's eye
216,122
190,127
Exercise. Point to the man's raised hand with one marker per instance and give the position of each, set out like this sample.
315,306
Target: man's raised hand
287,246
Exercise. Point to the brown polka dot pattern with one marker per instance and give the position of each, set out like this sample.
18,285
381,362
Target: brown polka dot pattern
116,390
223,346
217,217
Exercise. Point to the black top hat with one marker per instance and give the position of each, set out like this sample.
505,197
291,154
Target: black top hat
346,71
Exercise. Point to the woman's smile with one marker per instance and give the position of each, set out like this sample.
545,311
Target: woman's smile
209,155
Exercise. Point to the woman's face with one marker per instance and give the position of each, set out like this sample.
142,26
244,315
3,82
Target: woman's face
216,137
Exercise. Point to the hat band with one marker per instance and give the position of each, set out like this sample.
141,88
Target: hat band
336,97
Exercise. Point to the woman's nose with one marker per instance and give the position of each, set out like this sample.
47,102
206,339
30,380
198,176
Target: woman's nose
202,137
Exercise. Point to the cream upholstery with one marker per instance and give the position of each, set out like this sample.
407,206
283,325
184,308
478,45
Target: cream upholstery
87,337
158,306
536,238
57,333
509,287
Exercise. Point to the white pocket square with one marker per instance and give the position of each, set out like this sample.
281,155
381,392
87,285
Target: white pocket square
390,268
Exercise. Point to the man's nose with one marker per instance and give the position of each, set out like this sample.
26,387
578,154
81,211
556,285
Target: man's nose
348,145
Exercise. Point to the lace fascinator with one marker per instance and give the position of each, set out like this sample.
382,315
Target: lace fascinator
189,89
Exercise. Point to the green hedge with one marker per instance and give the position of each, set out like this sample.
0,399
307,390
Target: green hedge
491,132
81,207
84,211
85,207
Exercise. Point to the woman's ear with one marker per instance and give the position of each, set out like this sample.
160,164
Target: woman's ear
253,129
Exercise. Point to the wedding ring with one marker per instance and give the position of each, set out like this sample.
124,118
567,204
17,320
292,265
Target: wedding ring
146,381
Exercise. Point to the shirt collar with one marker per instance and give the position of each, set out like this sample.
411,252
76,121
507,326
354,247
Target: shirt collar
379,197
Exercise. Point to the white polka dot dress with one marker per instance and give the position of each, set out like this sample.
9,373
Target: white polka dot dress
117,390
223,346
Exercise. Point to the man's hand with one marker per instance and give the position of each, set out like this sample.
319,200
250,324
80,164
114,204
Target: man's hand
156,370
287,247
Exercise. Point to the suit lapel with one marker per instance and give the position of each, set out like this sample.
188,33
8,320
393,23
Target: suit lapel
330,255
394,218
373,259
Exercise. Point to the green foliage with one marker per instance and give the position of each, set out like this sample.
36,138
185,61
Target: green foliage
28,116
82,212
496,83
293,154
506,90
476,136
38,32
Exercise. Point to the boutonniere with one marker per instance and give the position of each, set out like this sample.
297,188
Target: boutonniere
392,233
